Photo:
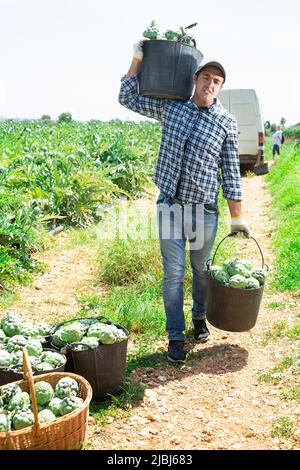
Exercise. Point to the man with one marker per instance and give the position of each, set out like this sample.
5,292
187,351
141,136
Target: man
276,141
198,138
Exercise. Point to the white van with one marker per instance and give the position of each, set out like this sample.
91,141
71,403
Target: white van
243,104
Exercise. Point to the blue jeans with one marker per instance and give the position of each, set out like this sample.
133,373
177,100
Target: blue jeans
173,245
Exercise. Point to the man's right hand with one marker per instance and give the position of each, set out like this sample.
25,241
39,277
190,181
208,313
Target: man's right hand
138,52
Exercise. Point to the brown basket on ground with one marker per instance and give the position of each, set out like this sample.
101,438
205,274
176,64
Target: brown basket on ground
65,433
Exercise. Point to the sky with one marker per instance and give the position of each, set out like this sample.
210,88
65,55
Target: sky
69,55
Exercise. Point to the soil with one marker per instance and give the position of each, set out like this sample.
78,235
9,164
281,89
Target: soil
215,401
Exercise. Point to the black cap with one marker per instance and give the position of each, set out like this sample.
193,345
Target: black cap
212,63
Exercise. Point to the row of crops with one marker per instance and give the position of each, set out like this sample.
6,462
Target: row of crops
54,173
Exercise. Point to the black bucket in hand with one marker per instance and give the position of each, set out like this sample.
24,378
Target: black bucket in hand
232,309
167,69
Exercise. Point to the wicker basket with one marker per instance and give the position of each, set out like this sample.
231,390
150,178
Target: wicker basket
65,433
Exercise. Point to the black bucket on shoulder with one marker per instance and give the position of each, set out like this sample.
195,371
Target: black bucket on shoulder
232,309
167,69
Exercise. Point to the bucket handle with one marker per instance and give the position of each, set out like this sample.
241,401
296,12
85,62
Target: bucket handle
191,26
190,37
233,234
186,35
78,343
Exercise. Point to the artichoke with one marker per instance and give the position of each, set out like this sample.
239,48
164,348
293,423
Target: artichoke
72,333
46,416
54,406
11,317
238,268
107,334
5,422
18,401
44,392
56,339
252,283
238,282
23,418
34,347
16,343
90,341
55,359
6,358
11,328
29,329
260,275
43,329
151,32
66,387
8,391
3,336
17,358
220,276
43,366
69,404
171,35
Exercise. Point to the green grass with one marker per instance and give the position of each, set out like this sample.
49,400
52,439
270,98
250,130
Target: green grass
275,305
276,373
278,331
117,406
7,299
284,185
270,376
282,428
79,237
294,332
268,149
128,261
292,393
90,304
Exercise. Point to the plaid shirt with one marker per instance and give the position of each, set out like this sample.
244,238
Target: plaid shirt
196,143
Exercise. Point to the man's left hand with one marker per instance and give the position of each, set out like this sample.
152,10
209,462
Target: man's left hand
240,227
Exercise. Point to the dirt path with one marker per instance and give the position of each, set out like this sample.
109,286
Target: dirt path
54,293
215,401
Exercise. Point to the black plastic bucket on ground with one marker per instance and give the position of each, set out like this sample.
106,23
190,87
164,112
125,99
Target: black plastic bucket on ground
65,347
167,69
232,309
103,367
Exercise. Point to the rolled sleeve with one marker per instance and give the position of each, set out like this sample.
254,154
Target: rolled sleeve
232,186
145,105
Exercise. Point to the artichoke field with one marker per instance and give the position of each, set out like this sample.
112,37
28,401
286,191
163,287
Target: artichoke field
60,173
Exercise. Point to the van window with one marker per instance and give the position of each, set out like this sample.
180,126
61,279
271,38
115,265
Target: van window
245,112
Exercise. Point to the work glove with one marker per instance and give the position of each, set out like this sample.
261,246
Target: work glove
138,52
239,226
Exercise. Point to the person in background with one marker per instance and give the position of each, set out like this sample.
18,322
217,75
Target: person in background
199,138
277,141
